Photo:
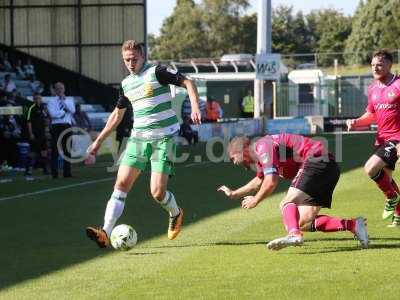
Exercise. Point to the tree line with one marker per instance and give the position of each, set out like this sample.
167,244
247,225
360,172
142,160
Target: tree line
211,28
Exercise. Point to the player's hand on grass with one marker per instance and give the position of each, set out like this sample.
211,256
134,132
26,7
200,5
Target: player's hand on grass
398,150
351,124
228,192
249,202
94,147
196,116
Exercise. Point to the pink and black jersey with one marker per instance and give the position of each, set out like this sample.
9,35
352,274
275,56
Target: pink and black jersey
283,154
384,102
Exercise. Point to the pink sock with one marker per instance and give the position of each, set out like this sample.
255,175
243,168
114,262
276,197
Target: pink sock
290,214
385,184
331,224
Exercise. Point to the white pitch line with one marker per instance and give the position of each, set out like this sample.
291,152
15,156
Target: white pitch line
73,185
56,189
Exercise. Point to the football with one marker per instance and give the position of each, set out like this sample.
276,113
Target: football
123,237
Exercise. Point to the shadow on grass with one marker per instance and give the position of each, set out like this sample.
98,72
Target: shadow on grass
210,244
132,252
44,233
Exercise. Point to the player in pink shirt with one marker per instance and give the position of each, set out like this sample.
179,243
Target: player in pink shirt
314,174
383,109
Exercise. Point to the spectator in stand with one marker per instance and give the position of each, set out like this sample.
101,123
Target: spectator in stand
29,70
20,70
36,124
186,109
81,119
12,98
214,110
124,128
36,86
11,134
3,100
61,110
187,132
8,84
51,90
7,64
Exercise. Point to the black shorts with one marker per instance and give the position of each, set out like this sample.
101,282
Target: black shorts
388,153
317,179
38,144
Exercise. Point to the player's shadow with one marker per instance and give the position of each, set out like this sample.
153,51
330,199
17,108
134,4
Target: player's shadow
373,245
210,244
135,253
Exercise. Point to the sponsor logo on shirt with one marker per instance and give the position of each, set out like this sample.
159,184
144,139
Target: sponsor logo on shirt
385,106
143,91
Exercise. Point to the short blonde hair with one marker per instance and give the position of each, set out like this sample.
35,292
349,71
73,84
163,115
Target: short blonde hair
133,45
237,144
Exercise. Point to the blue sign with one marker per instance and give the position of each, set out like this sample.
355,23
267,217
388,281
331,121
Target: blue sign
298,126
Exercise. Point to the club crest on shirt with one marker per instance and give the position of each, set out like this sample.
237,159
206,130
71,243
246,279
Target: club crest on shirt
143,91
391,95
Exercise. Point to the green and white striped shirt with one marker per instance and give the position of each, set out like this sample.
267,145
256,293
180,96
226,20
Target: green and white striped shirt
149,94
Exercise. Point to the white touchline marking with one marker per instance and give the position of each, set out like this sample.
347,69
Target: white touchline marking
76,184
56,188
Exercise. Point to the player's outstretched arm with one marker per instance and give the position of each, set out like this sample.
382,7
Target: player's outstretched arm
365,120
268,185
249,188
194,99
113,120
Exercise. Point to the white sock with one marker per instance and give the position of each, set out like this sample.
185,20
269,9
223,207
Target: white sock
115,207
169,204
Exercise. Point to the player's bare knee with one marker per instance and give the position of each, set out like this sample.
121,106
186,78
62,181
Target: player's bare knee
283,202
305,226
157,193
122,185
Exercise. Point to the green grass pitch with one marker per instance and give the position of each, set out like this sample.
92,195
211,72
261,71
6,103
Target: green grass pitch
220,254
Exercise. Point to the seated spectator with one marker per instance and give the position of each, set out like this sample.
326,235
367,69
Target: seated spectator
36,86
214,110
12,98
187,132
20,70
81,119
186,109
29,70
3,100
7,64
8,84
11,134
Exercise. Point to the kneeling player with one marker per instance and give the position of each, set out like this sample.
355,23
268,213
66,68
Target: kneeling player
315,175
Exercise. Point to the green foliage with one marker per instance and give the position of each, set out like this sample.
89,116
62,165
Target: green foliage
222,20
330,29
376,24
289,32
182,34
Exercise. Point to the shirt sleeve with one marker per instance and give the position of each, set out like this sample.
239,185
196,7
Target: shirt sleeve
370,107
167,76
123,101
267,157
